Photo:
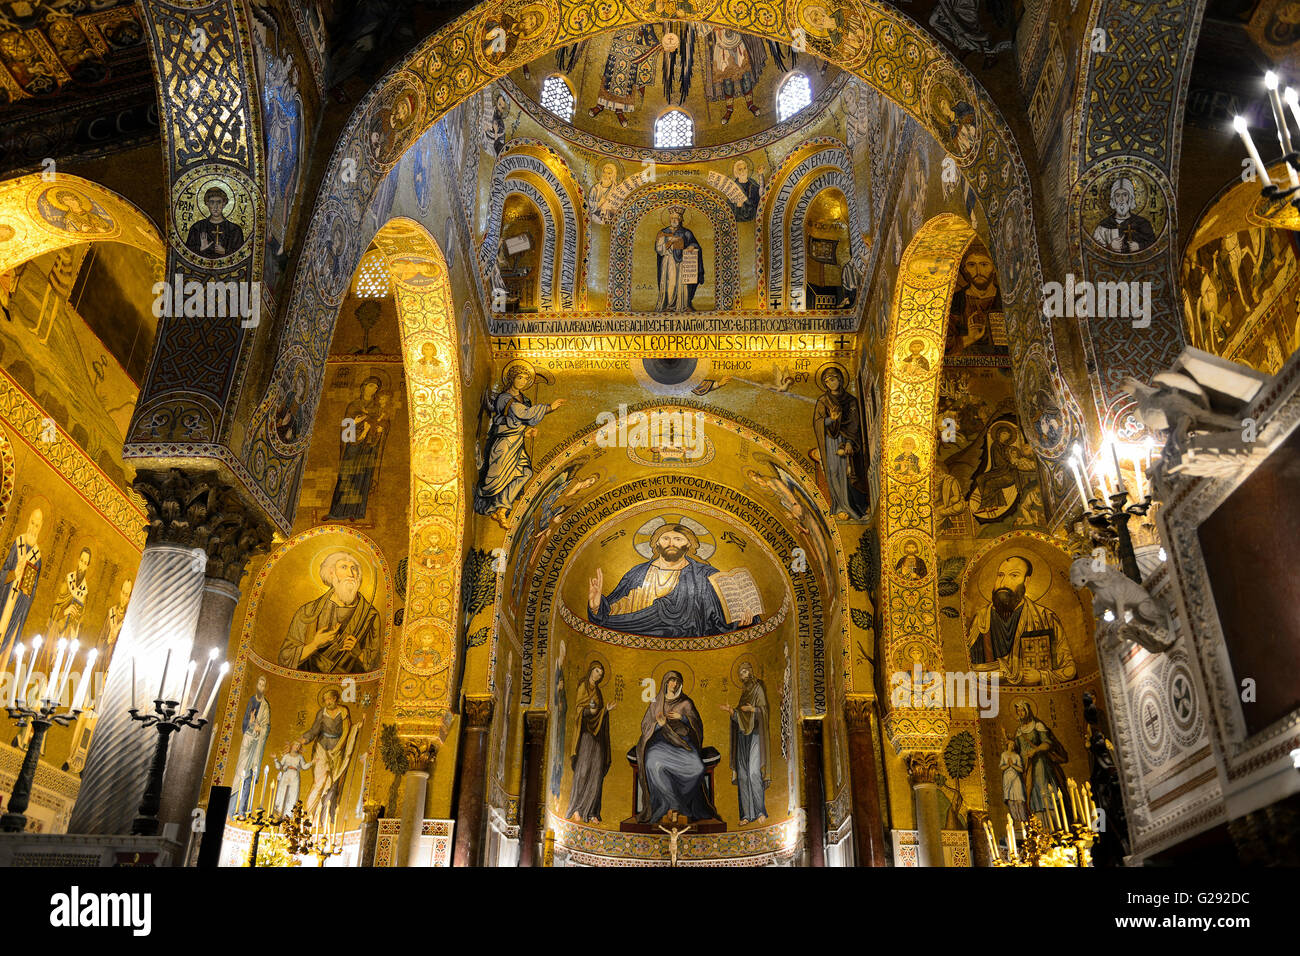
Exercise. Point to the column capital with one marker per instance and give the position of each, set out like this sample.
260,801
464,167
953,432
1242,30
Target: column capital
198,509
922,768
858,709
812,730
535,721
372,811
421,752
478,710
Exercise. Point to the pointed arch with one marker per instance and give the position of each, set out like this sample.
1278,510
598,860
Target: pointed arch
511,175
927,276
874,42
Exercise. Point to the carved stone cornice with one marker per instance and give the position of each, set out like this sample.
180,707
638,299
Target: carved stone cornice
858,709
478,711
197,509
922,768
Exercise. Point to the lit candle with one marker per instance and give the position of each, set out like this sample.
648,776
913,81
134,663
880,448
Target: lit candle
18,672
52,678
265,777
1279,118
67,669
31,664
1011,837
1293,101
1239,124
1078,479
1060,803
189,678
1119,475
212,698
167,662
84,684
1074,799
133,706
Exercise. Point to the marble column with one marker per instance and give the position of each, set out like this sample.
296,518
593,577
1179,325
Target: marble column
814,791
420,755
981,854
199,529
923,775
530,801
472,793
868,828
370,833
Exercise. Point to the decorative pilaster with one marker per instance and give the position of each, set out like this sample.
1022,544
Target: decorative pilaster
530,803
199,539
868,829
477,725
814,791
420,757
923,775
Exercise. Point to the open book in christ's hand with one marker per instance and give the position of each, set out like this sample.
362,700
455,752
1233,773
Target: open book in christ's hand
739,595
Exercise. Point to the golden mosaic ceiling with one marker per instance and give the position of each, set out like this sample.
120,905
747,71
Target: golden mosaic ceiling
624,80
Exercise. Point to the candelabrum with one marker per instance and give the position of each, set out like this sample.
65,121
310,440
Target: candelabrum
328,848
297,827
1279,196
47,712
168,717
1050,838
260,819
1111,517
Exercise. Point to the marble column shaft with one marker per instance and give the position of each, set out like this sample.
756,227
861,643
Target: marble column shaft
814,791
922,773
868,828
471,795
530,803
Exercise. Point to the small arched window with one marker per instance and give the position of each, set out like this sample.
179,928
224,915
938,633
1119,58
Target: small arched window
557,97
673,130
373,280
795,93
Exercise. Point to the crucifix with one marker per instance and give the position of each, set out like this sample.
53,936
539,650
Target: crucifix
673,835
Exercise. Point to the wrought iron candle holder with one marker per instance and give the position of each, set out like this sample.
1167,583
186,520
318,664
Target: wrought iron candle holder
259,820
1111,517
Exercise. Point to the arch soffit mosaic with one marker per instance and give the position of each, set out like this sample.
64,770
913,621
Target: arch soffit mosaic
426,654
876,43
927,276
38,216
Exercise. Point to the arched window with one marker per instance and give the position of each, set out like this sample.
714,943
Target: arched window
373,280
558,98
673,130
795,93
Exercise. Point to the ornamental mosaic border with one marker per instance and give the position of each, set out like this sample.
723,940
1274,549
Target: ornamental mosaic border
712,642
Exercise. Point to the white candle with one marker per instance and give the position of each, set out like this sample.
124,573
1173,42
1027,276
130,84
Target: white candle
212,698
18,674
31,664
1279,118
265,776
1078,480
1239,124
133,706
67,668
167,662
1011,836
1293,101
189,678
82,685
212,656
52,678
1119,475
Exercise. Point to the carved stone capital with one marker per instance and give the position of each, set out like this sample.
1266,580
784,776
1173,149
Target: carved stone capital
922,768
421,752
200,510
812,732
478,710
857,712
372,811
535,723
